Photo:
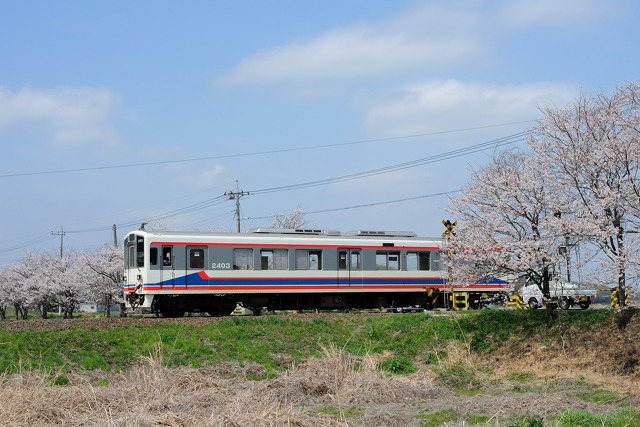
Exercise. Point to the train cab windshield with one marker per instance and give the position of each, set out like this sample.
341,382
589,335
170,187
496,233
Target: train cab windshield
134,251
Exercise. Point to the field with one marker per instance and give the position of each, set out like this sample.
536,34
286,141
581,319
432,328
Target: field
490,367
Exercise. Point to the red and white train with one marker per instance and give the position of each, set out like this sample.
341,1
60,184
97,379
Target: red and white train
172,273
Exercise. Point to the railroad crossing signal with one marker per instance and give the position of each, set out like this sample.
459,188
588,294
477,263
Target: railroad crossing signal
449,226
447,235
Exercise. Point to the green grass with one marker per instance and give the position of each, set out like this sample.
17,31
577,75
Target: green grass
276,342
624,417
599,396
428,418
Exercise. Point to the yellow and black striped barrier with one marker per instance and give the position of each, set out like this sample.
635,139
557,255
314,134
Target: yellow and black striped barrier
516,302
461,300
615,297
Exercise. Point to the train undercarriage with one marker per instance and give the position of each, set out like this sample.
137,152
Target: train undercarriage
223,305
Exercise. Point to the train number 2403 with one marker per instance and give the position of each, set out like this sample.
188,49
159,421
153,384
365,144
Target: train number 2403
221,266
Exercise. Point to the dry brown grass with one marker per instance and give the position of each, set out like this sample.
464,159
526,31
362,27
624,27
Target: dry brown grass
605,357
320,392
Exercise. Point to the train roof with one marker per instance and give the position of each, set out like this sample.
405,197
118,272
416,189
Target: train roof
293,233
375,233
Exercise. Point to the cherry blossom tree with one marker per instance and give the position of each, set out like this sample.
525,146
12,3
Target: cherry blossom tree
12,294
591,148
103,275
25,277
61,278
293,220
5,299
507,222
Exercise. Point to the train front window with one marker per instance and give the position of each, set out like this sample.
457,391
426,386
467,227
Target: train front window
140,251
131,256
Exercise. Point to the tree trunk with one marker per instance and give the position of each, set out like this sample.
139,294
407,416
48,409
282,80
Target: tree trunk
546,294
621,269
43,311
107,306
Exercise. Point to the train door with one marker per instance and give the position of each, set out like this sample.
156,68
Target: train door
350,268
167,268
196,262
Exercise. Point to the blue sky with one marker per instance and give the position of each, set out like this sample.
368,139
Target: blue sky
123,112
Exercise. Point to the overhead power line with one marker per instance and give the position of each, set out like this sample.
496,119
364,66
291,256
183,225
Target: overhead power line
367,205
255,153
511,139
495,143
37,240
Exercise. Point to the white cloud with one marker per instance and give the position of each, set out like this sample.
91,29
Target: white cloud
443,105
72,115
430,37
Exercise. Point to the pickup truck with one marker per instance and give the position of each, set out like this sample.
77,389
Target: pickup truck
563,295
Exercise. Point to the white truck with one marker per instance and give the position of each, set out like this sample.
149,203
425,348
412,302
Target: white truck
563,295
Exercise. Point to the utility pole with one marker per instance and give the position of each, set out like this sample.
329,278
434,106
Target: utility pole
236,195
566,249
60,233
115,236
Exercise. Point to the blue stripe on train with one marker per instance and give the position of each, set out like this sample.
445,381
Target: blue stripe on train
196,280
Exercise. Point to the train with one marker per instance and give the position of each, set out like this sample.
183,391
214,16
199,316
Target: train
173,273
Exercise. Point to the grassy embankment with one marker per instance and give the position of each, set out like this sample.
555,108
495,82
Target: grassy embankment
404,344
275,342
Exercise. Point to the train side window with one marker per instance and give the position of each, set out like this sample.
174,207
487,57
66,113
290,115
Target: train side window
153,256
274,259
342,260
243,259
387,260
196,258
167,257
308,260
315,260
356,260
418,261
